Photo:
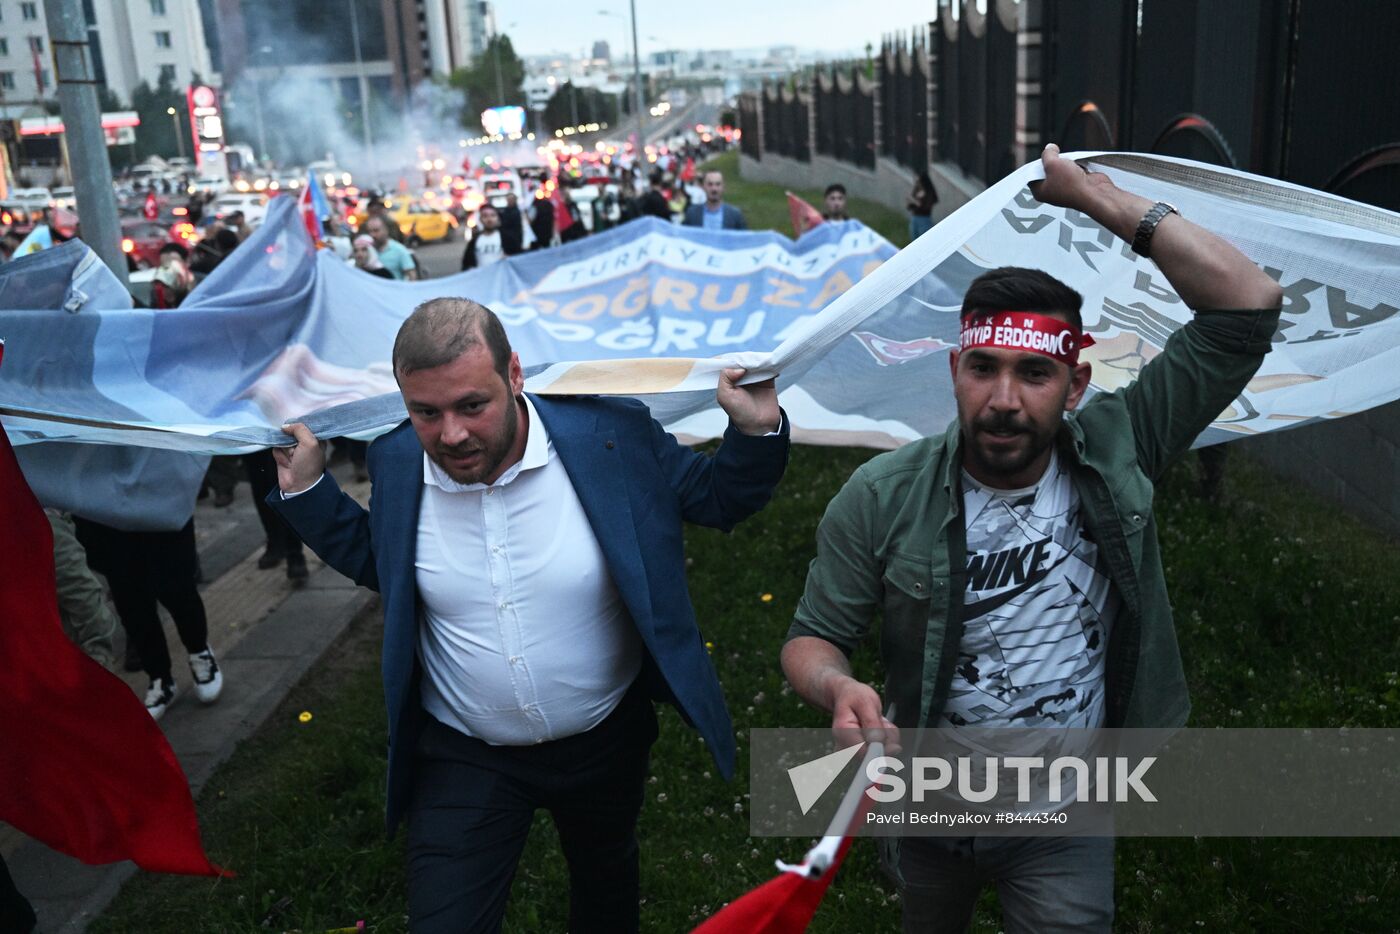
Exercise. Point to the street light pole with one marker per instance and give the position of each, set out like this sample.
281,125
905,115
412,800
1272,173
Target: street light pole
82,131
179,137
364,90
637,85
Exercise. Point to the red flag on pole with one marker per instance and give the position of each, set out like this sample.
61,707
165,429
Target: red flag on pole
787,904
151,208
563,220
306,205
804,216
83,767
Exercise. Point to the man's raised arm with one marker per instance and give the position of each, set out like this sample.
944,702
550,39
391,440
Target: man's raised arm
1205,270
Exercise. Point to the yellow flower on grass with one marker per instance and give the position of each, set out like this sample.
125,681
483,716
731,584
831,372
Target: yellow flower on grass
304,716
709,646
767,598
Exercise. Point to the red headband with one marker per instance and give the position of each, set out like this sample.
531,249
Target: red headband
1026,331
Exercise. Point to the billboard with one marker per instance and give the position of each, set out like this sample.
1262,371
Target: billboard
503,121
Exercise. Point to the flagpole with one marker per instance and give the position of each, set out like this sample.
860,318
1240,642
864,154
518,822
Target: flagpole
820,857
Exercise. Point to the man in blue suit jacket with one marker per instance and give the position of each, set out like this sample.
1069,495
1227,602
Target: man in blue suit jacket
530,559
714,214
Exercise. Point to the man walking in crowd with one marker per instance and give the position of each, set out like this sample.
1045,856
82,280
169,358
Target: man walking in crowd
377,208
1025,470
714,214
834,203
529,556
513,226
489,244
654,203
394,255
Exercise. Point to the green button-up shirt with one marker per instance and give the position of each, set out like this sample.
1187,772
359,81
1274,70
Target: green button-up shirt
893,539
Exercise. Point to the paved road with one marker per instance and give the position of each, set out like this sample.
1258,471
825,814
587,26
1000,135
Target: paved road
443,258
267,634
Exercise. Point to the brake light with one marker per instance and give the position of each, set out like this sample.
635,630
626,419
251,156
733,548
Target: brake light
128,245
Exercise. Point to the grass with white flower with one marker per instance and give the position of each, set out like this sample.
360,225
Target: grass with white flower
1288,615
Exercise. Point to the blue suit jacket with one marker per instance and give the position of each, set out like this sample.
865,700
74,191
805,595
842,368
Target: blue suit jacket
733,218
636,484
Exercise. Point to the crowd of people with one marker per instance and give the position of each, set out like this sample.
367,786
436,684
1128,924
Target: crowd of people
530,624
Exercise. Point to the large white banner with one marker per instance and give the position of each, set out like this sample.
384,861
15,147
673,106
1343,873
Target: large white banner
856,335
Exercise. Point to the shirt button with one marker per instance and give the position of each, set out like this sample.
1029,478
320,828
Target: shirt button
506,605
496,549
490,491
515,659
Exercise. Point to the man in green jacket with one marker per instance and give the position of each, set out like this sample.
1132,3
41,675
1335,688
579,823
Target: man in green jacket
1014,560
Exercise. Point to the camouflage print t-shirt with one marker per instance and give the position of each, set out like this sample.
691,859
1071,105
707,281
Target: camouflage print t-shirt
1038,610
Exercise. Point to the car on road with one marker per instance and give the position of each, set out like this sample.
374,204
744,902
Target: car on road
142,240
207,183
498,187
421,223
252,204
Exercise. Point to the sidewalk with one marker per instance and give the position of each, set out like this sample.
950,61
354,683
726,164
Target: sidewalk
266,634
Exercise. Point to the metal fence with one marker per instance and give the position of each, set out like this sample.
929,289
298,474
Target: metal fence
1295,90
845,115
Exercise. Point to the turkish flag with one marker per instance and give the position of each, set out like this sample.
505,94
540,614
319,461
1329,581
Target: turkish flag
83,767
804,216
563,220
151,209
784,905
787,904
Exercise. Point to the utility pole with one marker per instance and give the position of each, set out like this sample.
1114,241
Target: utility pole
637,87
82,131
364,91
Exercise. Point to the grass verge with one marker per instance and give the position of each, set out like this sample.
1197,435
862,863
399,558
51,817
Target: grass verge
1288,615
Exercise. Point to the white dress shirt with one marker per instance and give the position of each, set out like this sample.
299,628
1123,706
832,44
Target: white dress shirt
524,637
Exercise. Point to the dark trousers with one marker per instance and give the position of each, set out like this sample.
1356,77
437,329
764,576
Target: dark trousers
262,477
143,569
222,475
472,808
16,914
1046,885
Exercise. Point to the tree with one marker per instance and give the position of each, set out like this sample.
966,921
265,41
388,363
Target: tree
571,105
156,134
495,78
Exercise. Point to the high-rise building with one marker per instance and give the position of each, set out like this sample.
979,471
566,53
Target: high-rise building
131,41
601,52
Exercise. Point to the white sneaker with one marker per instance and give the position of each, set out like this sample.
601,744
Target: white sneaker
159,696
208,680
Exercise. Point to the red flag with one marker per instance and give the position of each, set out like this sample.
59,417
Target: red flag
804,216
306,204
786,905
688,173
151,209
563,220
83,767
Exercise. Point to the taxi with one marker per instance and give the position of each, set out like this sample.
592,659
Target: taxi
421,223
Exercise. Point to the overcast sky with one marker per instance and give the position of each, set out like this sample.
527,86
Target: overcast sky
545,26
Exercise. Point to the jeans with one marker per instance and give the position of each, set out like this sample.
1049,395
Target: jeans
1045,884
919,224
